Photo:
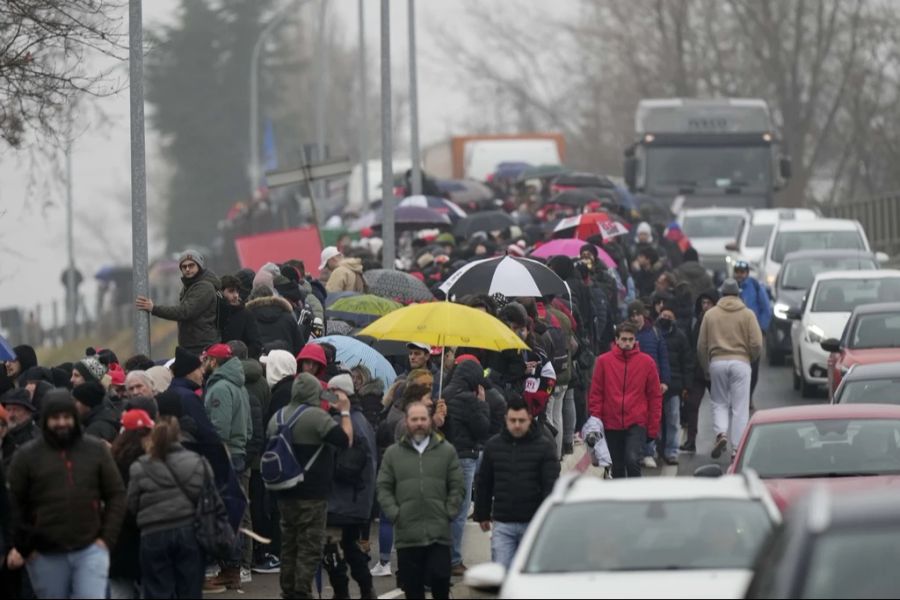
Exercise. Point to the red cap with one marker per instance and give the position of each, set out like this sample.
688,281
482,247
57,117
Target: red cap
116,374
136,418
463,357
218,351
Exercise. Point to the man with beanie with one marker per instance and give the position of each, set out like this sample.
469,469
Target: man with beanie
198,305
68,504
99,417
21,427
187,382
729,341
304,507
235,321
87,369
25,358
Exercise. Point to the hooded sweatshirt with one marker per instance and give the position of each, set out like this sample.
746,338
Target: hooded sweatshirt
228,406
275,322
729,331
347,277
196,312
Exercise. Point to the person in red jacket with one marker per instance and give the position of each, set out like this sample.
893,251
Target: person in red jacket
625,395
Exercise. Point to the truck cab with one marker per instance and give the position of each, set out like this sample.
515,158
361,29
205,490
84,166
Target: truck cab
719,152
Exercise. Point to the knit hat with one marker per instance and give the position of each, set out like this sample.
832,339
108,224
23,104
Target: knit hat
136,419
279,364
306,390
193,255
160,378
636,307
730,287
245,276
26,356
144,403
169,403
18,397
90,368
90,393
218,351
343,382
288,289
39,374
58,401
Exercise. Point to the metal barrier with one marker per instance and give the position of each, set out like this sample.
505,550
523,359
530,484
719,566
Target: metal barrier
879,216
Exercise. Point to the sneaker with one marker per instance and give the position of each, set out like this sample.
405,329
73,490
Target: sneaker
648,462
269,564
458,570
688,447
212,571
246,576
671,460
381,570
719,446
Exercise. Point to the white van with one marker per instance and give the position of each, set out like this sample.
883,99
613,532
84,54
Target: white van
710,230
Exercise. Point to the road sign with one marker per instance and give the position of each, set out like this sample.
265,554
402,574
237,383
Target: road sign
329,169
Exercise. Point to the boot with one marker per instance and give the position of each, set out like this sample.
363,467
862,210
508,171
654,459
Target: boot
230,577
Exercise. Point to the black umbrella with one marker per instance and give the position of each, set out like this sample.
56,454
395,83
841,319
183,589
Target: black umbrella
582,196
583,180
413,218
489,220
512,277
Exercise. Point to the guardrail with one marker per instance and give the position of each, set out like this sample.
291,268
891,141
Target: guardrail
879,216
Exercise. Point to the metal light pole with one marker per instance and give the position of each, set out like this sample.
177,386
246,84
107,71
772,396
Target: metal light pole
414,103
71,302
387,167
363,109
140,258
321,94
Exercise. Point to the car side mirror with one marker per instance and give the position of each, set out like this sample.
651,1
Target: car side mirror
731,246
831,345
882,257
784,167
631,167
486,577
709,471
795,314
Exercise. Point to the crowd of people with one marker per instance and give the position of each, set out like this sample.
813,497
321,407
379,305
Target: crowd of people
102,453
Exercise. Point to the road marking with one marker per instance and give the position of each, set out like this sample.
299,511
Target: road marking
391,595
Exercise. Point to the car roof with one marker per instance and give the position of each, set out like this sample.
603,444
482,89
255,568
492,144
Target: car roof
881,307
826,509
818,225
836,253
861,274
820,412
588,489
770,216
861,372
689,212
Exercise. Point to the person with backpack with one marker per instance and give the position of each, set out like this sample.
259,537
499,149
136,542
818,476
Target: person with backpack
351,498
163,490
298,465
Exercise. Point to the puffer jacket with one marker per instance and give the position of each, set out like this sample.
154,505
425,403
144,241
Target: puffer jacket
155,497
625,391
275,321
228,406
469,418
652,343
196,312
259,395
347,277
681,359
238,323
103,421
515,476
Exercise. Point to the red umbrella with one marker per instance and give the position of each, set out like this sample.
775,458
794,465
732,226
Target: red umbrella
581,226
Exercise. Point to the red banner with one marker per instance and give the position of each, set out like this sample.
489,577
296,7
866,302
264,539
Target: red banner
301,243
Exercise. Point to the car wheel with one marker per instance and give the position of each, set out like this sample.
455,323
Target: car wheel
807,390
797,377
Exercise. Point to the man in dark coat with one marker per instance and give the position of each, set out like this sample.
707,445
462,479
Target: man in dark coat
235,321
187,382
99,417
22,428
275,319
518,470
681,368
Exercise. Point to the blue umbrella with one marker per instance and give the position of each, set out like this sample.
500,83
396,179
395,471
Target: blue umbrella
352,352
6,350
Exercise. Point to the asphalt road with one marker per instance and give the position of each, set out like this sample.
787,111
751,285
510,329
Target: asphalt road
774,390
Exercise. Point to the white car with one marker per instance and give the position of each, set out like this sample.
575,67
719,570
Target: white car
824,313
751,242
819,234
711,230
654,537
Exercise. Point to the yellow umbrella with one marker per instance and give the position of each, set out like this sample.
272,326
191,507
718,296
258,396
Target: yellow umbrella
445,324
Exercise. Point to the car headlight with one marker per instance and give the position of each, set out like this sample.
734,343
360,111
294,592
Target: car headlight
814,334
770,280
780,310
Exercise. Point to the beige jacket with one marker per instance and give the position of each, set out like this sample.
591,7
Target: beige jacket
729,331
347,277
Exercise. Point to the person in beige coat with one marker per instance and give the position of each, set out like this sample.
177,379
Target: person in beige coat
341,274
729,341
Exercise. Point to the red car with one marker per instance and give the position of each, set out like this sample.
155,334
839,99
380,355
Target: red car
872,335
843,446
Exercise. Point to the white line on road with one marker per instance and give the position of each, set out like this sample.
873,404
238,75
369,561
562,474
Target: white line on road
391,595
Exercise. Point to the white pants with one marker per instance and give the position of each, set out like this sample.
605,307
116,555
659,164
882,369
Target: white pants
730,397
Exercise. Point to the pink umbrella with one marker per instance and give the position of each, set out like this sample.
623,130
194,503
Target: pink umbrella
570,247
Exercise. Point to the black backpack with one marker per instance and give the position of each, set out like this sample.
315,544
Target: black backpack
211,526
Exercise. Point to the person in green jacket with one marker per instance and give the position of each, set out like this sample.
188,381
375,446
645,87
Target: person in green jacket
197,309
420,489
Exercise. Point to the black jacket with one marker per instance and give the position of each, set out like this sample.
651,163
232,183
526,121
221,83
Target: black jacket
18,437
276,322
681,359
281,397
238,323
103,421
515,477
468,417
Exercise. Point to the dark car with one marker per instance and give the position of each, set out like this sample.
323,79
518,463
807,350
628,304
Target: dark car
833,546
794,279
870,384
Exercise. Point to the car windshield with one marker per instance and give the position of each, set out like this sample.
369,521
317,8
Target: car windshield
843,295
649,535
823,448
870,391
758,235
712,226
793,241
719,168
799,274
855,562
880,330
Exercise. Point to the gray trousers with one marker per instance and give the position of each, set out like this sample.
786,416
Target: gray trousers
730,397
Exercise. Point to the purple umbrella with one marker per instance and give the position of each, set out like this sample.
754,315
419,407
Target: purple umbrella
413,218
572,248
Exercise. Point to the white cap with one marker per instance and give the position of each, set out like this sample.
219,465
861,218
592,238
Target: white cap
327,254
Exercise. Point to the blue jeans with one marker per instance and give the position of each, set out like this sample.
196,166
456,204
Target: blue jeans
172,564
468,466
80,574
671,422
505,540
385,538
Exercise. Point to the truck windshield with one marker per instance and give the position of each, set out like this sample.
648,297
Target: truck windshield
671,168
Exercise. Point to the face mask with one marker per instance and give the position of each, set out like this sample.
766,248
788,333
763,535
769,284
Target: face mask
665,324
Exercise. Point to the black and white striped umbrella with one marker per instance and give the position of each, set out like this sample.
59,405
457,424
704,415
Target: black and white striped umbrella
512,277
439,205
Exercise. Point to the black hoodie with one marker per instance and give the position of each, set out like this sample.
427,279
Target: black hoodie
275,320
468,417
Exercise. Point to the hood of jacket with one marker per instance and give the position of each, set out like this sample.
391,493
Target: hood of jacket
253,371
231,371
435,440
279,364
269,309
354,264
204,275
313,352
731,303
712,295
468,374
306,389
